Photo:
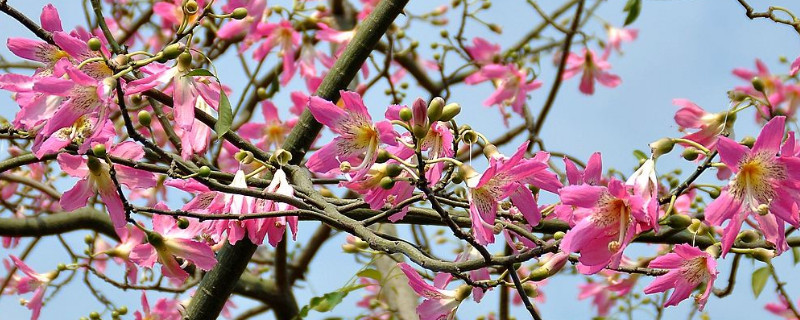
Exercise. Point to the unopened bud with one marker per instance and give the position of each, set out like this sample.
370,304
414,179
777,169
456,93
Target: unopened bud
94,315
350,248
261,93
435,109
736,95
690,153
762,254
184,60
183,223
99,150
94,44
539,274
382,156
122,310
88,239
173,51
450,111
531,290
748,236
406,114
239,13
145,119
495,28
758,84
679,221
714,250
61,267
420,130
748,141
713,193
204,171
393,170
559,235
386,183
462,292
662,146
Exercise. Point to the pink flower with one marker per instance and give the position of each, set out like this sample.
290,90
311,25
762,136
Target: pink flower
168,241
781,308
271,133
94,177
130,237
593,68
377,197
37,50
439,303
280,35
246,27
275,227
358,140
165,309
591,175
616,36
711,125
512,85
482,51
689,267
32,281
645,183
604,294
612,218
85,132
764,183
506,178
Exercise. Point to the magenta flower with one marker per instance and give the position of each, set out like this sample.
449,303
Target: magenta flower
37,50
85,132
612,218
377,197
168,241
358,139
439,303
781,308
689,267
271,133
512,85
593,68
605,293
764,183
33,282
165,309
130,237
710,125
275,227
506,178
280,35
591,175
246,27
94,177
482,51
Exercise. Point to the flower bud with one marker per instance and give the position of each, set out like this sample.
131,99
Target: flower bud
758,84
261,93
690,153
495,28
122,310
190,7
393,170
99,150
183,223
713,193
762,254
144,118
420,131
172,51
679,221
748,236
350,248
531,290
748,141
239,13
386,183
435,109
61,267
714,250
94,315
88,239
490,151
405,114
462,292
539,274
450,111
382,156
559,235
184,60
662,146
204,172
94,44
736,95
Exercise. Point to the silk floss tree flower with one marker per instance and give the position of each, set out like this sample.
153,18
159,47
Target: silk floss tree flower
764,186
594,68
512,85
506,178
439,303
358,140
33,282
613,216
281,35
688,268
710,125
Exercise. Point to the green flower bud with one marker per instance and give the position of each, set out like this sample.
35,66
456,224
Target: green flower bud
758,84
88,239
99,150
386,183
713,193
748,141
239,13
382,156
462,292
559,235
184,60
393,170
261,93
145,119
173,51
94,44
94,315
435,109
349,248
204,171
762,254
662,146
690,153
539,274
748,236
183,223
679,221
61,267
406,114
122,310
450,111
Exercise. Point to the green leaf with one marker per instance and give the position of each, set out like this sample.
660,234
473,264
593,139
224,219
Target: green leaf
640,155
327,301
225,120
633,8
759,280
796,254
199,73
370,273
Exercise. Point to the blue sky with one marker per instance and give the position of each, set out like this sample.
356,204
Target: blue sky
686,49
